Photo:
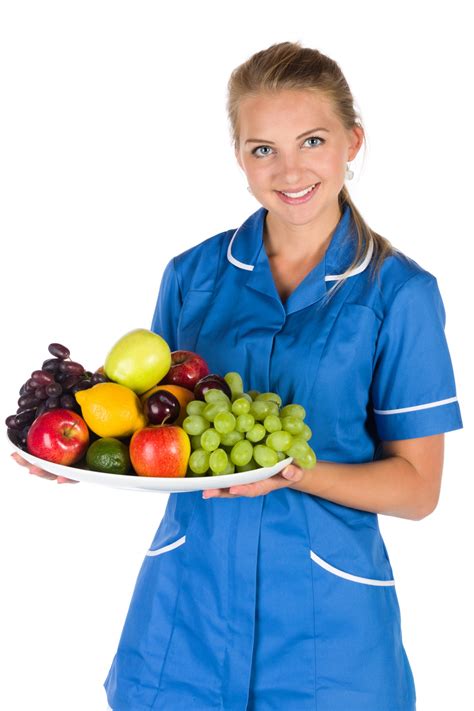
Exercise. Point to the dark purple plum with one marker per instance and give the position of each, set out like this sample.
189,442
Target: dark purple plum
211,381
162,407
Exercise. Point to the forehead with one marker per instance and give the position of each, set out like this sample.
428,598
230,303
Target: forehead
287,108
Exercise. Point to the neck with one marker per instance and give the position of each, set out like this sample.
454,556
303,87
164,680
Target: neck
285,241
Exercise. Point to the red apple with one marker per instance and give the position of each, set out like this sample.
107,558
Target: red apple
186,369
160,451
60,436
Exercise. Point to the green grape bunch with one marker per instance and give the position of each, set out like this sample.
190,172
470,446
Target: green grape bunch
245,432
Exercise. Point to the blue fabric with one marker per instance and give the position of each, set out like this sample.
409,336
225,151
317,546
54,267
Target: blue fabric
287,601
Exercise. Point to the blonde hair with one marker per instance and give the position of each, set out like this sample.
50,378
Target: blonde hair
289,66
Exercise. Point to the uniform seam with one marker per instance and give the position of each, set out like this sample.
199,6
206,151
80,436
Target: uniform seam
388,308
311,570
209,256
365,306
221,259
175,269
175,611
226,647
425,275
341,306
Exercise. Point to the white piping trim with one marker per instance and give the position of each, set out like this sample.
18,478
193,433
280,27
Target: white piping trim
348,576
232,259
169,547
357,270
329,277
416,407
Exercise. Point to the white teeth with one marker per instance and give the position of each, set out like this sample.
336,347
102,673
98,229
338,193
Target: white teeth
300,194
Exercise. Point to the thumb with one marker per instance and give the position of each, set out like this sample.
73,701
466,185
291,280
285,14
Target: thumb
292,472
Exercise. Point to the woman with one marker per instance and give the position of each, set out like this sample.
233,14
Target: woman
282,596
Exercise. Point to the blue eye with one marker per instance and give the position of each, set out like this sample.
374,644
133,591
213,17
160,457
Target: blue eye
311,138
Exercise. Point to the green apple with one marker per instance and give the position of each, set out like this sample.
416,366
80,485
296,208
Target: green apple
139,360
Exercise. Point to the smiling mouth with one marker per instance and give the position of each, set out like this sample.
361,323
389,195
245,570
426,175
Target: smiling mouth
300,198
298,193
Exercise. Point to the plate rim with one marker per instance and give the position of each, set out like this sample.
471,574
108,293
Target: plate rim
197,483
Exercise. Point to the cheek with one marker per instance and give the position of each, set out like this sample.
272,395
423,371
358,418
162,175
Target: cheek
258,169
330,166
249,167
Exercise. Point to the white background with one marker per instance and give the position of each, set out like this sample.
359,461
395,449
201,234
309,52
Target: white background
116,156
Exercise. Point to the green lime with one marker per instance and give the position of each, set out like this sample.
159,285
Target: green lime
108,454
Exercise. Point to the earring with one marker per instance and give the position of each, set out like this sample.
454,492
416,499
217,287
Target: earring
249,188
349,172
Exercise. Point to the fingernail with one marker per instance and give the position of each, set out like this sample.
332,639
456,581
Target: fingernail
288,473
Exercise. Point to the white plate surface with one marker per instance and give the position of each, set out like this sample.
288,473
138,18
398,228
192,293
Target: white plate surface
155,483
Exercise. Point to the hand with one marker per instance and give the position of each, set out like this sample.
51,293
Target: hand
41,472
288,476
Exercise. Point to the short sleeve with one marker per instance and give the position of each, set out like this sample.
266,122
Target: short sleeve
168,306
413,388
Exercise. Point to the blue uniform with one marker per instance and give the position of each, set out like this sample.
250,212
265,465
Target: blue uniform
287,601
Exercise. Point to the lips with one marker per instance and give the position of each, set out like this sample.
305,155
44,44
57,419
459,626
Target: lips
298,190
296,201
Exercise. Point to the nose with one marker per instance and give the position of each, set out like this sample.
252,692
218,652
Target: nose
291,170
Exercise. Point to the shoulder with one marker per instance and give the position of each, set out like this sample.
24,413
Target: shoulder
197,267
402,276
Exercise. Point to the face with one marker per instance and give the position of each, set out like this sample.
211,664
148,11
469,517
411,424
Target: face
283,159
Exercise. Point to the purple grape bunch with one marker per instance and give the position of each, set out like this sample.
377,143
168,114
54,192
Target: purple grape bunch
48,388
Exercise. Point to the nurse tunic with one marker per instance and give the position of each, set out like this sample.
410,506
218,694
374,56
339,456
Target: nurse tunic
287,601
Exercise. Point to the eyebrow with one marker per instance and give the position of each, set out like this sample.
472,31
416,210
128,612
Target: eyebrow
311,130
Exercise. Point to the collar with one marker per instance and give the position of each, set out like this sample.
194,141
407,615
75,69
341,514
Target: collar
246,251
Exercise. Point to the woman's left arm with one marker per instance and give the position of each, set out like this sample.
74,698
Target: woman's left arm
405,482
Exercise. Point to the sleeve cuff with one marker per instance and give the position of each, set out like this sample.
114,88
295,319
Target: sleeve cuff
419,421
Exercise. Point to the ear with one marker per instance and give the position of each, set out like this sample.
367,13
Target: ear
356,140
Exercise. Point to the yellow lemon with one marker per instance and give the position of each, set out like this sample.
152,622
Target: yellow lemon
111,410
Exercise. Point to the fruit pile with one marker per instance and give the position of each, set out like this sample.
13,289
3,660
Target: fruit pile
152,412
51,387
233,430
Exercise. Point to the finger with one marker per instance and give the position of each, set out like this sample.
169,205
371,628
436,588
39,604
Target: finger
37,470
41,473
257,489
20,460
33,469
260,488
65,480
240,490
210,493
293,473
217,493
